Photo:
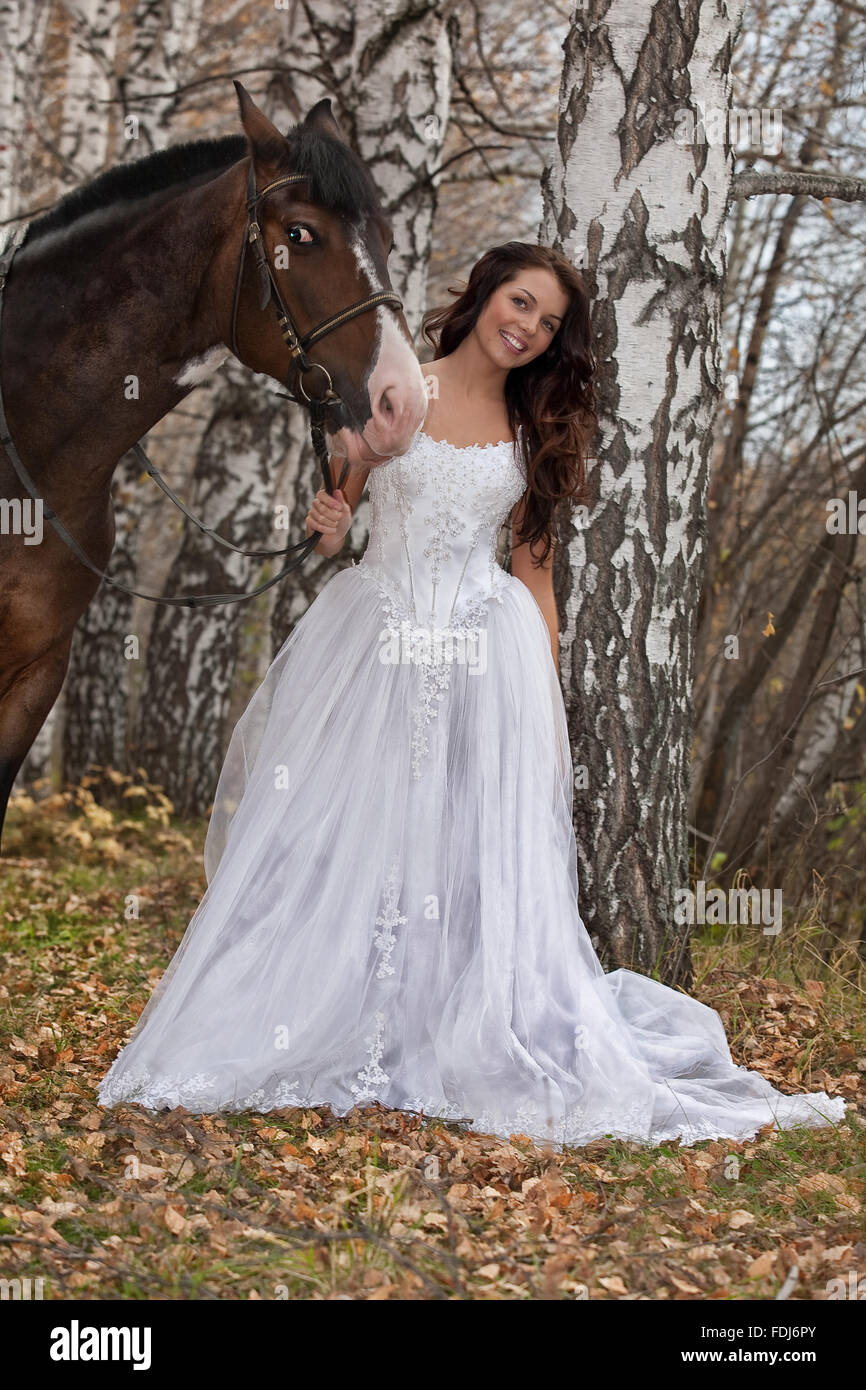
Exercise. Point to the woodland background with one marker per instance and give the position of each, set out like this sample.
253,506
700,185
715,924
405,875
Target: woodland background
712,645
712,657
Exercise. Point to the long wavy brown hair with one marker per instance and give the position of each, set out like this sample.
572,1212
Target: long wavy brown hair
552,398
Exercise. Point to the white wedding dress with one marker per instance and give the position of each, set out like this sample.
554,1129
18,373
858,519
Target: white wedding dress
391,912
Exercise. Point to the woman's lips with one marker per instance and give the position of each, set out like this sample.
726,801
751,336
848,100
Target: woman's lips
510,344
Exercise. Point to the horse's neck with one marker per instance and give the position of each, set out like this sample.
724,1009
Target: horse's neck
100,321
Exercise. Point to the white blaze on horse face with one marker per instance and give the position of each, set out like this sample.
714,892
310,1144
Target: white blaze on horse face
198,369
395,370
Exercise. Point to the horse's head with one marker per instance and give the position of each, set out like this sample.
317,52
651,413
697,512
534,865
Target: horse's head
327,242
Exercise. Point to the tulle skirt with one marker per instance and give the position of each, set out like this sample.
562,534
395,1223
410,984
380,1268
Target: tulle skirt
391,912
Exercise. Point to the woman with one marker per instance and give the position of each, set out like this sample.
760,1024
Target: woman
391,912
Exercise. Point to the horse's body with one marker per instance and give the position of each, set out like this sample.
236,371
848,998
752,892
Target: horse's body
125,284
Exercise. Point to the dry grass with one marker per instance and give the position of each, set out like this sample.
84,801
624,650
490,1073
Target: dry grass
378,1204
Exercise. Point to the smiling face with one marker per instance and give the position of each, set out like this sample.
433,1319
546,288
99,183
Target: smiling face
522,317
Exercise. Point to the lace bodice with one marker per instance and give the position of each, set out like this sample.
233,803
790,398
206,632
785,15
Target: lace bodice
435,517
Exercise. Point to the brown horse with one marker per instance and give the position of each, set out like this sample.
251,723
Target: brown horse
120,300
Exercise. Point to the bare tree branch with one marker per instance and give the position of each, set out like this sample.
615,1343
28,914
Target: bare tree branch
842,186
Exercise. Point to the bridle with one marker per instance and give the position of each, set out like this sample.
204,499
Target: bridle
299,364
296,344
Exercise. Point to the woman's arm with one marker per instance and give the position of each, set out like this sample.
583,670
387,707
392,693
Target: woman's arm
332,515
537,578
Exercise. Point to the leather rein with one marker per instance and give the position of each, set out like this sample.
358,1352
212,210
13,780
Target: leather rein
299,363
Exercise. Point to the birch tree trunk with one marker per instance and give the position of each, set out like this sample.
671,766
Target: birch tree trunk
85,133
637,194
10,107
191,655
712,797
99,690
392,100
732,455
238,476
164,35
751,812
812,774
22,32
191,675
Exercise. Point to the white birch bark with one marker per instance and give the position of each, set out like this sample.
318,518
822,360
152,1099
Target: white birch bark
22,30
163,44
827,729
86,127
392,99
644,210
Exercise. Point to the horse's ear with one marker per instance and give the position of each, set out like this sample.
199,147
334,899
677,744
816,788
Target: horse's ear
322,117
267,142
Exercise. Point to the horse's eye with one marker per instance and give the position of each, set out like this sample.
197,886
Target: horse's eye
300,235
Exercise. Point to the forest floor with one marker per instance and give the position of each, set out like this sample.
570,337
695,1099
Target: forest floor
381,1204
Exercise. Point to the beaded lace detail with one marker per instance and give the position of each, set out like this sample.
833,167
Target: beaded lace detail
207,1094
435,518
389,918
372,1077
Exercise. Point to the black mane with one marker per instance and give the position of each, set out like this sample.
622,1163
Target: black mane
338,178
139,178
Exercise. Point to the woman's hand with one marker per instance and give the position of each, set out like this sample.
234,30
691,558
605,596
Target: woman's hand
332,515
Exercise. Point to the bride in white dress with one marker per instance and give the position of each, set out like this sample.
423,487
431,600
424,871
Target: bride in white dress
391,912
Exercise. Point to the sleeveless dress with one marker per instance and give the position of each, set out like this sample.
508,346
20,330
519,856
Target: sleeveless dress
391,910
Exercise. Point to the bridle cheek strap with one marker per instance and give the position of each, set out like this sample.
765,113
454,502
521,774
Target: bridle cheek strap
298,360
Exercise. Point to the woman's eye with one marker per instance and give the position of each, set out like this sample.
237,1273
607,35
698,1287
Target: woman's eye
300,235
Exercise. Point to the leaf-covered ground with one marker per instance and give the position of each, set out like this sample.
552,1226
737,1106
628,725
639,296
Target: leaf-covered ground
378,1204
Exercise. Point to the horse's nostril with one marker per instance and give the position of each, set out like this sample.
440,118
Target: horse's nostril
385,404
